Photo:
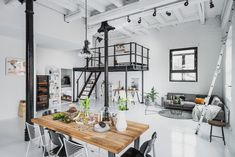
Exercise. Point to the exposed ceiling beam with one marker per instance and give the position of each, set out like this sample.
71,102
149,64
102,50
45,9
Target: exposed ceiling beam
66,4
97,6
124,31
12,2
51,5
140,6
191,19
201,9
160,19
178,15
76,15
117,3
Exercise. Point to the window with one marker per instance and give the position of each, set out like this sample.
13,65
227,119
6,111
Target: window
183,65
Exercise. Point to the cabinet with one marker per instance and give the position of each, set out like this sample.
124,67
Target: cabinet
42,93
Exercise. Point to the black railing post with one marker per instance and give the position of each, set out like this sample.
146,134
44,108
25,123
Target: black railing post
73,85
77,89
142,57
148,59
130,53
29,64
142,87
114,55
135,54
99,58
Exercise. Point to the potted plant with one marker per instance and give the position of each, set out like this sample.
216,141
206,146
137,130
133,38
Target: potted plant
121,123
151,97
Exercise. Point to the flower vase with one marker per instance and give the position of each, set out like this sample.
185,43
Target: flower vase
121,123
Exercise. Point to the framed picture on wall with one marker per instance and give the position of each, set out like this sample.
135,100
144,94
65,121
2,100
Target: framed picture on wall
15,66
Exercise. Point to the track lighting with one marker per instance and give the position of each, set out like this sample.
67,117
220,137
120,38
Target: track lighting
211,4
128,19
139,21
155,12
168,13
186,3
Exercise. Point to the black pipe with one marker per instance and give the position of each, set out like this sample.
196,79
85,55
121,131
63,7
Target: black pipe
106,28
29,64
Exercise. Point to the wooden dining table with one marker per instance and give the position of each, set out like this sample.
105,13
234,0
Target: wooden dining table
112,141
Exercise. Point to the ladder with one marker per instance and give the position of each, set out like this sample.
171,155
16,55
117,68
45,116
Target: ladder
216,73
207,99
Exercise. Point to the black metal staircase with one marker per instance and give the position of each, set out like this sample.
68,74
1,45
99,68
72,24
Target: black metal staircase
89,85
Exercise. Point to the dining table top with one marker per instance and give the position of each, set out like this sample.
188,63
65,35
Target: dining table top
112,140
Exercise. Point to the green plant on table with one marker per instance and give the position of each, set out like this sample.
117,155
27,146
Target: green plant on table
122,104
152,95
85,105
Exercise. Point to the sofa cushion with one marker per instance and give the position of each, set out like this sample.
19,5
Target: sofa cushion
189,104
190,97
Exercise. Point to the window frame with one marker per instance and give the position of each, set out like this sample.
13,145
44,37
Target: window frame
195,70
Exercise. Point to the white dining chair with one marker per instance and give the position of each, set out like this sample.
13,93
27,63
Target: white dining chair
74,149
37,140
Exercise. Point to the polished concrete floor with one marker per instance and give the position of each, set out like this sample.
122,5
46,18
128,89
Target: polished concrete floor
176,138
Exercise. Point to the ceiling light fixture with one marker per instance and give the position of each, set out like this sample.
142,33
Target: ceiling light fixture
85,52
139,21
128,19
211,4
168,13
155,12
186,3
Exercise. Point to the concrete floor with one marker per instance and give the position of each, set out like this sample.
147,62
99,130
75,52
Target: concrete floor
176,138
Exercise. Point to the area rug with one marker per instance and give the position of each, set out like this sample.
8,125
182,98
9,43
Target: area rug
176,114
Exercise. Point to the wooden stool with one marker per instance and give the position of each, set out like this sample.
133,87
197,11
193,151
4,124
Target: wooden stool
218,124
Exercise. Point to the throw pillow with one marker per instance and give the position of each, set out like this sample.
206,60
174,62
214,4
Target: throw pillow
176,100
199,100
216,101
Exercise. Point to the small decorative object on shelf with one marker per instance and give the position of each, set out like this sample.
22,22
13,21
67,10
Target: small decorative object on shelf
42,101
121,123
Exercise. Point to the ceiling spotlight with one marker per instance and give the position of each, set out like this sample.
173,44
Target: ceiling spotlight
155,12
128,19
139,21
186,3
168,13
211,4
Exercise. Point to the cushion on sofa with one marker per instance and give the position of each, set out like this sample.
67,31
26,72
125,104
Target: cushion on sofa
189,104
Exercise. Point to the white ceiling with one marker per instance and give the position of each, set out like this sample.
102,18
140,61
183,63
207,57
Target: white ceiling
101,10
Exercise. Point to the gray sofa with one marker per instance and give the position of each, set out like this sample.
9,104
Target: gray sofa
188,103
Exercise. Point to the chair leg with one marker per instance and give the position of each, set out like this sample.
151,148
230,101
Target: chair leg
222,128
211,133
27,152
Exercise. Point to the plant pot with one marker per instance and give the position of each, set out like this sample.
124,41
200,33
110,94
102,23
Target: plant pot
121,123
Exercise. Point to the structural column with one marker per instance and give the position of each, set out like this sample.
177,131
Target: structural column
105,28
29,63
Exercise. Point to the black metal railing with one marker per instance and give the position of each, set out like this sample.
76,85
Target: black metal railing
125,54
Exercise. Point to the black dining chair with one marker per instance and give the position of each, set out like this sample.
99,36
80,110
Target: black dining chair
145,149
57,140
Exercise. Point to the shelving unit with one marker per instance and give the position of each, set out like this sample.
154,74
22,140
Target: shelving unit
42,92
66,86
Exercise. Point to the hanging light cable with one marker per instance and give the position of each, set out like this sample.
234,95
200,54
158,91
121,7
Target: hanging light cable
86,51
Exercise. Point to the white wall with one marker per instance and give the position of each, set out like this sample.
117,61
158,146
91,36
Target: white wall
60,59
230,133
50,31
206,37
12,87
50,28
